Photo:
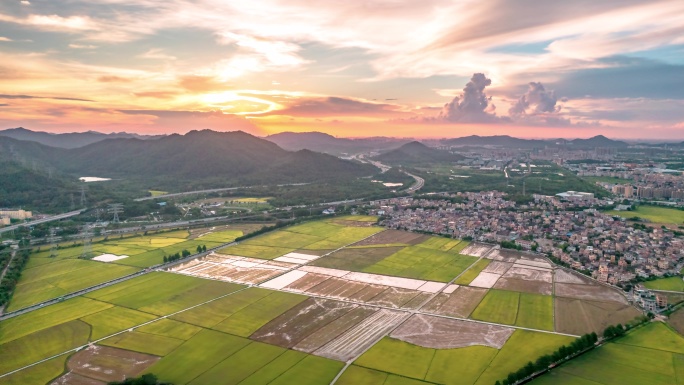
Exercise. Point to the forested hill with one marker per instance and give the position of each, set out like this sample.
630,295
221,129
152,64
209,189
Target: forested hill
205,157
416,153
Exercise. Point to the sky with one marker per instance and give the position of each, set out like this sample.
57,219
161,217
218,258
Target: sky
422,69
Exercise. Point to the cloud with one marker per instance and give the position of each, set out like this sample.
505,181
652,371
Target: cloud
537,100
2,38
113,79
157,94
334,106
4,104
82,46
198,83
6,96
472,106
184,121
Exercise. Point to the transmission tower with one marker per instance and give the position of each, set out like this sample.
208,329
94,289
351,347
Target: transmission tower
53,242
73,205
115,209
87,239
83,196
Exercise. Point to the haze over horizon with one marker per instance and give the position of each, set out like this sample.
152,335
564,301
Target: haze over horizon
431,69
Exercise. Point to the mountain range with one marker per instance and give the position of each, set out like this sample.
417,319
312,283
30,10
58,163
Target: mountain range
67,140
202,157
511,142
321,142
416,153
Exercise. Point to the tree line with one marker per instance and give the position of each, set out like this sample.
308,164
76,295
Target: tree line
145,379
9,281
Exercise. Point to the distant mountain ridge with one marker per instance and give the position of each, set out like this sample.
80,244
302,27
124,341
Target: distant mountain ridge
322,142
68,140
415,153
202,157
512,142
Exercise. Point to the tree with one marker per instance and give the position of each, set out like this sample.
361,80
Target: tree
204,248
165,259
199,248
185,253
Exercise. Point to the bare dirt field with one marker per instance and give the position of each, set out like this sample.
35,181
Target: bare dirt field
337,288
360,337
72,378
356,259
589,292
307,282
104,363
368,293
497,267
676,320
293,326
485,280
394,297
327,333
505,255
232,268
534,287
528,274
393,236
443,333
460,303
574,316
565,276
476,249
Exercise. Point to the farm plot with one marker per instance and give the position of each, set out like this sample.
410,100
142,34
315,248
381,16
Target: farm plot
102,363
356,259
42,344
358,287
422,263
26,324
232,268
469,275
459,303
393,237
293,326
527,279
589,292
444,333
669,284
62,277
361,336
38,374
575,316
256,251
618,363
162,293
477,249
498,306
405,363
522,347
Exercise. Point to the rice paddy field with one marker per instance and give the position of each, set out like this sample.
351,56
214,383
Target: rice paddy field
660,215
669,284
401,308
49,276
653,354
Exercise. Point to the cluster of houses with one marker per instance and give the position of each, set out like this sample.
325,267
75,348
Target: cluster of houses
573,231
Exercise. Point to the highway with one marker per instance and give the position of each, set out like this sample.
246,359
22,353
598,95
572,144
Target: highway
211,191
44,220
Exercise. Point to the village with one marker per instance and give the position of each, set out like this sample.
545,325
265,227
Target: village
569,228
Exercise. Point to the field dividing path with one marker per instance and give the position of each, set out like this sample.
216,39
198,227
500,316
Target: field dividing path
124,331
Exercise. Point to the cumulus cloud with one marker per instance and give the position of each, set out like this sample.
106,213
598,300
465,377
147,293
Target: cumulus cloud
473,106
537,100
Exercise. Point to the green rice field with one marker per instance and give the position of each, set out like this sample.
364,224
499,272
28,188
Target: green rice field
654,214
669,284
648,355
